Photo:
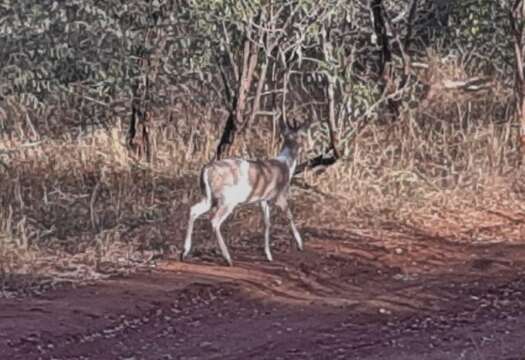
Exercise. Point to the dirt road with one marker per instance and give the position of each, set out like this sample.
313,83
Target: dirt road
346,297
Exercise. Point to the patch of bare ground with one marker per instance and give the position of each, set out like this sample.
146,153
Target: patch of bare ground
349,295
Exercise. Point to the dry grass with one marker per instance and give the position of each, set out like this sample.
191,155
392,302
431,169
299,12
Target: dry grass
78,207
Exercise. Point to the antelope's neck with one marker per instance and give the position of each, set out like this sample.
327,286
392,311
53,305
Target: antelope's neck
289,157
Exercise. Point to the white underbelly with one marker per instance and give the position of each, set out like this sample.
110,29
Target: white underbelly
239,192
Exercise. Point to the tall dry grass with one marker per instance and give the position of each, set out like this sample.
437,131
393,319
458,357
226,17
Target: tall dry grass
448,167
79,207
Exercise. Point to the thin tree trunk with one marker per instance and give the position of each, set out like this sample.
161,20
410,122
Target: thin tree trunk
257,99
138,140
331,77
331,116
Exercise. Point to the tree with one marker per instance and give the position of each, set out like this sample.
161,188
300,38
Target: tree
517,21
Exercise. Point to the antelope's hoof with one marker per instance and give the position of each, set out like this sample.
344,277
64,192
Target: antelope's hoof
296,245
183,257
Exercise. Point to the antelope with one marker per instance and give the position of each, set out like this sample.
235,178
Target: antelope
231,182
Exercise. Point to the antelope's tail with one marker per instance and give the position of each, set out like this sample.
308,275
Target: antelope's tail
205,184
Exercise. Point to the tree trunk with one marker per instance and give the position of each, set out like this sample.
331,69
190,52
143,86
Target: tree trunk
236,119
381,33
138,140
517,17
227,137
386,66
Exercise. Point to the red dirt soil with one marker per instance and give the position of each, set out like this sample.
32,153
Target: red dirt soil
347,296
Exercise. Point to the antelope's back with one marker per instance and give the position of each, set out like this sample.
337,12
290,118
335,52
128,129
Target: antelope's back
267,178
246,181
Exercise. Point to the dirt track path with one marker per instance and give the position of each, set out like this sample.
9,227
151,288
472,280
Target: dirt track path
345,298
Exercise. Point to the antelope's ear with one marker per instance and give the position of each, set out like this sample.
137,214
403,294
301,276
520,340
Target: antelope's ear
303,128
283,126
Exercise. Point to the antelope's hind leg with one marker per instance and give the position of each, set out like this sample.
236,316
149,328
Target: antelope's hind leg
220,215
283,204
265,207
197,210
296,234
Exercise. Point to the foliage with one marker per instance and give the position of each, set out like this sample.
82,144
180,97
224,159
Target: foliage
77,64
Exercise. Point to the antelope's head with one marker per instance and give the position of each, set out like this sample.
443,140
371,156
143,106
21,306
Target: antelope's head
292,134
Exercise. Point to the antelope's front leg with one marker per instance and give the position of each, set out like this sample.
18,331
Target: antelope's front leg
283,204
296,234
197,210
265,207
